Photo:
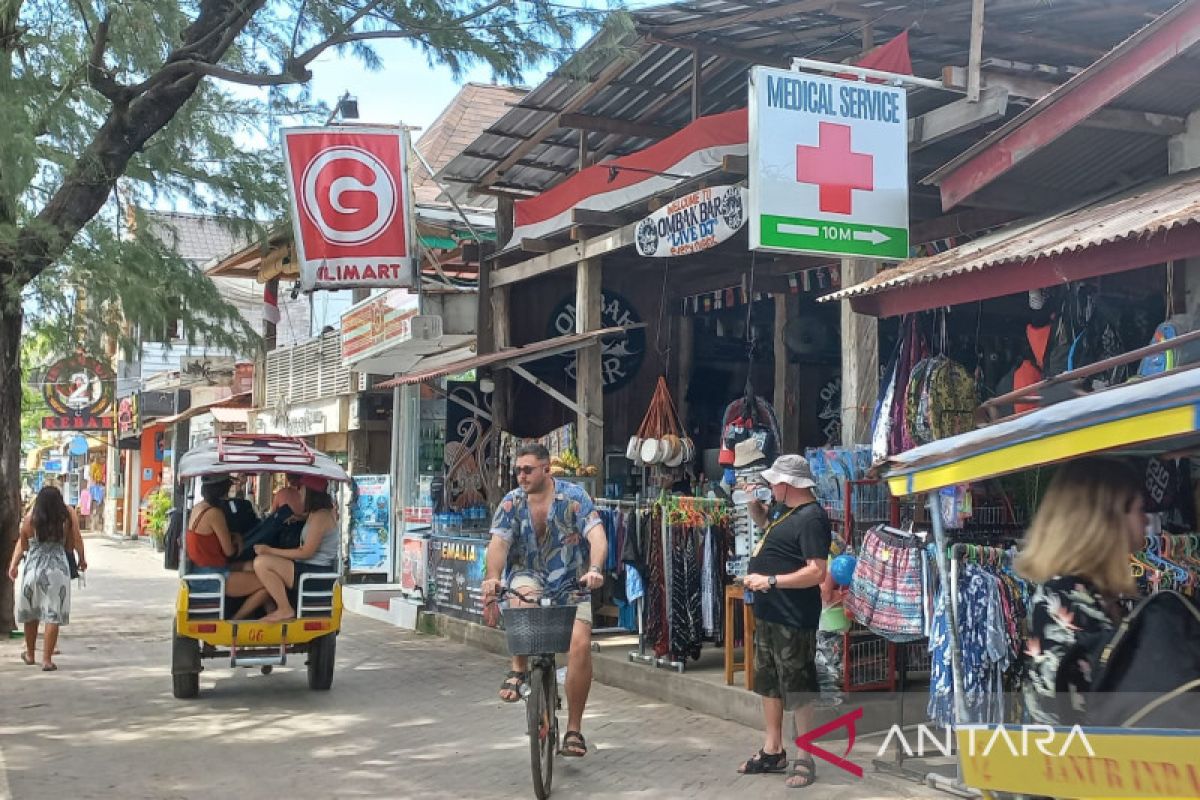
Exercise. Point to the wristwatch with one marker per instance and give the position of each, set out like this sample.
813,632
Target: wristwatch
596,570
771,581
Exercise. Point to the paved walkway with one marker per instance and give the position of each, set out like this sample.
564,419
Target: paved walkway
408,716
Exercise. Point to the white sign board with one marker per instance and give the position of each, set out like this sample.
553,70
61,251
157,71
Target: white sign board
692,223
828,165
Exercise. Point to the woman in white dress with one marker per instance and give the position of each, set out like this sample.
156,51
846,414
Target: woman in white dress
44,594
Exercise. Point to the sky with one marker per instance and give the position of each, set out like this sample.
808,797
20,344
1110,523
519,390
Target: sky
407,90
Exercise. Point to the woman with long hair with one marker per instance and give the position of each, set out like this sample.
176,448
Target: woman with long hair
44,596
1076,553
280,569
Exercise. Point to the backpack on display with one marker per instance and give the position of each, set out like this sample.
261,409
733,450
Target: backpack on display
1168,360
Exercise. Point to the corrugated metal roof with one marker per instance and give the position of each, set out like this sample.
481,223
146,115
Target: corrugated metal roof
730,35
1144,211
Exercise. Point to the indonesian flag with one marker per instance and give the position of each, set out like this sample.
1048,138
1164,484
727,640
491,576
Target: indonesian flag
271,301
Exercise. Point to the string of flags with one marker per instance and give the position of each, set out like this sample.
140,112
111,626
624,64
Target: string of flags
820,280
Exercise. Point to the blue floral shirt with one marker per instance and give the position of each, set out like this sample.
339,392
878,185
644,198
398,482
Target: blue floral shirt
559,559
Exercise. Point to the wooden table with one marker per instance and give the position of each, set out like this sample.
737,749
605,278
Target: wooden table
734,596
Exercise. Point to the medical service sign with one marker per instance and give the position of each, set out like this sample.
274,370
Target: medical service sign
828,166
351,211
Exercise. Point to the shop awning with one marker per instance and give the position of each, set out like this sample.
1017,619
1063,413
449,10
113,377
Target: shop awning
235,402
230,416
1148,416
1150,224
512,356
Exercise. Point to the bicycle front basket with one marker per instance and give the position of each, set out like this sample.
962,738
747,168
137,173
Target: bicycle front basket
535,630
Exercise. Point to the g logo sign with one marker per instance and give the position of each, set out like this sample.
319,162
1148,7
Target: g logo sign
334,195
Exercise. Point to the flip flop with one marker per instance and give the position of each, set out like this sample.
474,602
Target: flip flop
28,659
51,667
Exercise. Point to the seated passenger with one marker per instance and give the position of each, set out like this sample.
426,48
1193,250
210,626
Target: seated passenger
210,546
290,495
280,569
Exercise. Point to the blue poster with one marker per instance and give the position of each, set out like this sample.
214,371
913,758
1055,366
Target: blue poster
370,525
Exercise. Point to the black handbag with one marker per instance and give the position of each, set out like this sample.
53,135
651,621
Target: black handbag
71,563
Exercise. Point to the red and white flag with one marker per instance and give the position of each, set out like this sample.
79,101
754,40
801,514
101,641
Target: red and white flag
271,301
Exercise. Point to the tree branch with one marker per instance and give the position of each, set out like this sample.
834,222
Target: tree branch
99,77
311,53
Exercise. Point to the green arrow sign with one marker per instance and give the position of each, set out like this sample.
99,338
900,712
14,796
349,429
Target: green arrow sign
824,236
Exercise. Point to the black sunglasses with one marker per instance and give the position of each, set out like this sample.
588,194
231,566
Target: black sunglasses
527,470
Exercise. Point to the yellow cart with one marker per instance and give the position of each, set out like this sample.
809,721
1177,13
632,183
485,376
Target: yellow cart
1151,417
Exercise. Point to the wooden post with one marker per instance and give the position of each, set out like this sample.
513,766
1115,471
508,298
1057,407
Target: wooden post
860,359
583,150
696,81
787,376
502,338
589,378
975,54
868,38
684,346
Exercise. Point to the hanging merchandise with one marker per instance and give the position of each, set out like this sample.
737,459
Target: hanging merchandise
912,353
1173,328
940,400
749,429
882,422
886,591
660,439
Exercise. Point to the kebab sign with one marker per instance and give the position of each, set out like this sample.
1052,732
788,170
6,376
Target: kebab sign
828,166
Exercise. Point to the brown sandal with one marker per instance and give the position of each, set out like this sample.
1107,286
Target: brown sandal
28,659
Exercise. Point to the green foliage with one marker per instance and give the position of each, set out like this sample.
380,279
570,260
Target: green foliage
78,79
36,352
158,506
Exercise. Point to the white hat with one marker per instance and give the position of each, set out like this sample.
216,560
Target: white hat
792,470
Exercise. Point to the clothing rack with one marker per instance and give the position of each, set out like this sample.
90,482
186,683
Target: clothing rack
638,507
695,504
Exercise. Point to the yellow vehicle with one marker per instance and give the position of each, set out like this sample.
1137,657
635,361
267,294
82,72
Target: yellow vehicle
202,628
1150,417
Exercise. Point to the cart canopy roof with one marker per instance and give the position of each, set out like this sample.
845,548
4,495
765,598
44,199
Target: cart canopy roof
251,453
1152,416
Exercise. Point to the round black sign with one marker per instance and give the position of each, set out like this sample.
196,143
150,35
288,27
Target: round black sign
622,355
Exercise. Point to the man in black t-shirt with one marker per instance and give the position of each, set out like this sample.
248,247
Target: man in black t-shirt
783,585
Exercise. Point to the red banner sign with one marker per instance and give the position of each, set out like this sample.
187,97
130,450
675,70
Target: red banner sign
350,206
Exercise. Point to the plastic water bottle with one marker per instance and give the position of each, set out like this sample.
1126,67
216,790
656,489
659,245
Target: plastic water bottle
562,676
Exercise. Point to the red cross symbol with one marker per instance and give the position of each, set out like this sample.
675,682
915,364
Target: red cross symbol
834,168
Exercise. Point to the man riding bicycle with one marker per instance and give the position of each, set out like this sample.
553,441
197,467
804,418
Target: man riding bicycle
538,533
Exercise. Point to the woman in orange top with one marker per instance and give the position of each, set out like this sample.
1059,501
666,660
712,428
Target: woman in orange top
210,545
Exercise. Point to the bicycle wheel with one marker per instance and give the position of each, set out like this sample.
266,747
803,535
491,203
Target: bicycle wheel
543,728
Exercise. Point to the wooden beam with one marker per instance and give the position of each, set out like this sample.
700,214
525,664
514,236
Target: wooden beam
860,359
587,92
717,21
509,192
975,52
697,84
733,53
541,245
602,219
555,393
502,396
736,165
960,224
589,366
957,117
1133,61
587,122
565,257
1117,119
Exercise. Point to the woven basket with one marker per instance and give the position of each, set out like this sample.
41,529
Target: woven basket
535,630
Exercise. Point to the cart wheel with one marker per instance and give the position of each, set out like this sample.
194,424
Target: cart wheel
320,662
185,667
266,670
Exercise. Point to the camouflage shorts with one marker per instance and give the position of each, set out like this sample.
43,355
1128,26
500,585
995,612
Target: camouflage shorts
785,663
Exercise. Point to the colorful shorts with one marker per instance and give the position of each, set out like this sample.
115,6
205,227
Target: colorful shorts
886,594
785,663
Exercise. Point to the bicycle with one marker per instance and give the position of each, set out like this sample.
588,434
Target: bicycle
539,632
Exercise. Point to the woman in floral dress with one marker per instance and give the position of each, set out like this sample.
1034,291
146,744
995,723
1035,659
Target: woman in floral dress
1077,554
44,595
